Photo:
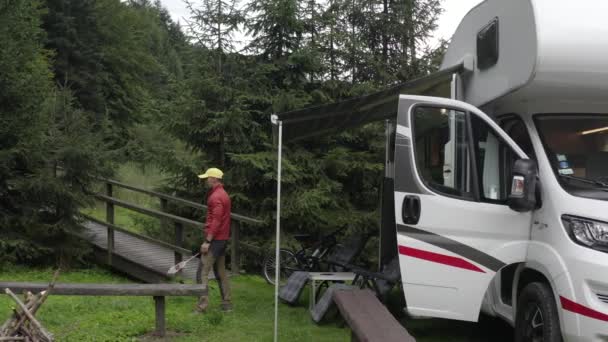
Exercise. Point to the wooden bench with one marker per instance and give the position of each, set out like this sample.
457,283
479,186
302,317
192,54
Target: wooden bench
368,318
157,291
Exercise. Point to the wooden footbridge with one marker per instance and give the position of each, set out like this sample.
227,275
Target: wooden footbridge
148,258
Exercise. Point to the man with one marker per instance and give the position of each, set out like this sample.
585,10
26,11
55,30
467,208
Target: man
217,232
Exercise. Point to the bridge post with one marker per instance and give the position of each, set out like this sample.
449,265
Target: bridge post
163,208
159,306
110,219
109,206
235,255
179,240
110,244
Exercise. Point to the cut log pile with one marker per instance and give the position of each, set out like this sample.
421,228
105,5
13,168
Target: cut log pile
23,325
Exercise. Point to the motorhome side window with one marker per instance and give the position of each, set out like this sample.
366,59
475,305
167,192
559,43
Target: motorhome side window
443,143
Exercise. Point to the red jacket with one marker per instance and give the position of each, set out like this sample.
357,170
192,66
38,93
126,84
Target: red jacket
218,213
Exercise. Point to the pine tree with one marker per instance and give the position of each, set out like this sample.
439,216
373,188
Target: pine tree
276,27
71,28
40,132
217,99
410,24
104,56
214,24
331,39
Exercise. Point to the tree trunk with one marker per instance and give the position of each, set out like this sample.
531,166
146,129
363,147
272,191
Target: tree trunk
385,28
222,150
413,54
352,47
219,37
313,21
412,39
279,51
332,57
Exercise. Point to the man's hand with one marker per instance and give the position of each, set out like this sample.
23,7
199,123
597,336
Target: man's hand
204,248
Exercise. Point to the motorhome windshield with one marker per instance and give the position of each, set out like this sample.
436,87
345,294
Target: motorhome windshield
577,147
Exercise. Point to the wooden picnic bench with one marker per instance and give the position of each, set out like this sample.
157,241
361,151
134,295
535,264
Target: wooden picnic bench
368,318
157,291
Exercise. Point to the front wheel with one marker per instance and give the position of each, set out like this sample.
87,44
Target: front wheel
289,264
537,319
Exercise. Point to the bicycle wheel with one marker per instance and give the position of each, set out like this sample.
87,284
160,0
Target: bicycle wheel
289,264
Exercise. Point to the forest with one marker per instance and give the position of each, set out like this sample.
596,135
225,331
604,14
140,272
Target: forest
87,85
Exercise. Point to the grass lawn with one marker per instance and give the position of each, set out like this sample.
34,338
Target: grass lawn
79,318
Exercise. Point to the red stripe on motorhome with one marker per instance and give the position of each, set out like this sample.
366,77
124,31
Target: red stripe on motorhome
571,306
439,258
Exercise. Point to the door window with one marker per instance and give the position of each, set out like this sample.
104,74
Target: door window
442,153
458,154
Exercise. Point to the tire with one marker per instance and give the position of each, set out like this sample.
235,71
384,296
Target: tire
537,319
288,265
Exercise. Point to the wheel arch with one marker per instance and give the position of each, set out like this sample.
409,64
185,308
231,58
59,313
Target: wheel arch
528,273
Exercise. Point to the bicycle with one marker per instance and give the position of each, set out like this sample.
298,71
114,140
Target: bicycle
307,258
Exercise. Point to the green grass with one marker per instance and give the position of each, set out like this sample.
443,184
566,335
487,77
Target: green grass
80,318
83,318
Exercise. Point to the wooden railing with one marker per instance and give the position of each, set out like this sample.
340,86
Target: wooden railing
165,219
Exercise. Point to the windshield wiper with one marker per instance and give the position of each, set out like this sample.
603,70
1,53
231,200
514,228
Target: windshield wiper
585,180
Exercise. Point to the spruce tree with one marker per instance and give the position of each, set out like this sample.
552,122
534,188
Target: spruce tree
47,155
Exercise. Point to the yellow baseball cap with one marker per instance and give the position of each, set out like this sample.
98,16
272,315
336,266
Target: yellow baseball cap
212,172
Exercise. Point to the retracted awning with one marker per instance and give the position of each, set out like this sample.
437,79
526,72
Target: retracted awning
358,111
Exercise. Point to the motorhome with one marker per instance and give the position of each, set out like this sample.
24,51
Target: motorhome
499,180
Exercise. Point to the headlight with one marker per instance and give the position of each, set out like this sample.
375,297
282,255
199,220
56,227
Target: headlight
589,233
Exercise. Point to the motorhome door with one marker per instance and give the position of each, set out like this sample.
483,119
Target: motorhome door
455,230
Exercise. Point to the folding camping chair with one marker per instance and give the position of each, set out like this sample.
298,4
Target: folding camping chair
380,282
342,255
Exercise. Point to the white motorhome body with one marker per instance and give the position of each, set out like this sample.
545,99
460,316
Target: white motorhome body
538,70
474,230
547,50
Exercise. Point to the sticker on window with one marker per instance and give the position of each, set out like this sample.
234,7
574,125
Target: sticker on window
563,165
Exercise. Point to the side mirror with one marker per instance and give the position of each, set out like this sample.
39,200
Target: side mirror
523,186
